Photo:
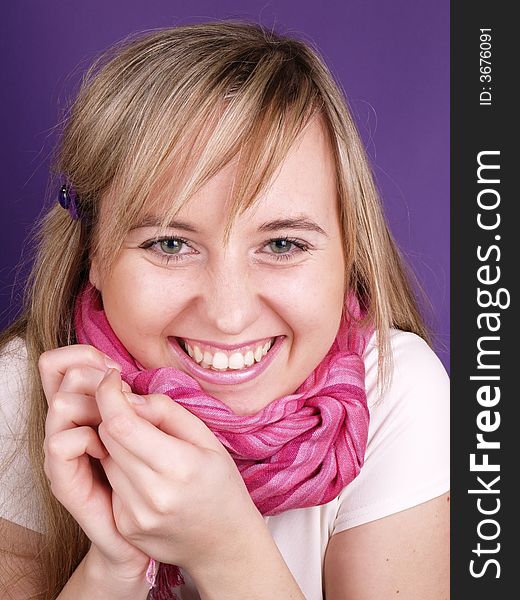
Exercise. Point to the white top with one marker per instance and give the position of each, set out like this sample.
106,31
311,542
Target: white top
406,461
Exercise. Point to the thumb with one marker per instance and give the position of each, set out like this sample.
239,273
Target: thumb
173,419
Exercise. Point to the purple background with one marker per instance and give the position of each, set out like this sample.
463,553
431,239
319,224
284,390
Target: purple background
391,57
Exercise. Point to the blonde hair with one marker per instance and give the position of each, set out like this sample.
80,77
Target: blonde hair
191,99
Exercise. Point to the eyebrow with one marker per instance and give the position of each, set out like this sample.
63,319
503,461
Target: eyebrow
152,221
299,223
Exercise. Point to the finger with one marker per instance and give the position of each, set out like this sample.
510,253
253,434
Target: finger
139,438
175,420
66,459
132,509
114,438
85,380
53,364
66,446
68,410
78,483
81,380
122,483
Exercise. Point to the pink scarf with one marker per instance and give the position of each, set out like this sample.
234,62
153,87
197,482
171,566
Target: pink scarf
300,450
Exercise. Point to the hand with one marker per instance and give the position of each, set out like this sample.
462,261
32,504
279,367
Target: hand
70,377
178,495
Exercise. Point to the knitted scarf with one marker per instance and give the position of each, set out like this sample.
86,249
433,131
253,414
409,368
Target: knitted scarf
301,450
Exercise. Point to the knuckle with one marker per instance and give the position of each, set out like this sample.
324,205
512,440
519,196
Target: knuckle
186,473
149,522
165,401
73,376
161,503
153,402
160,400
162,464
45,360
59,403
54,446
93,355
133,524
161,405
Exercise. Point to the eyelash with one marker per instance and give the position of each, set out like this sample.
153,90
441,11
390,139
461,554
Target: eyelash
302,247
166,258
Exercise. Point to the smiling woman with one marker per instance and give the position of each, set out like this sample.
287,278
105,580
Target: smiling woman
229,297
220,352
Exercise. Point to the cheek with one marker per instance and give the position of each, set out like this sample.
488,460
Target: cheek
311,301
322,307
141,302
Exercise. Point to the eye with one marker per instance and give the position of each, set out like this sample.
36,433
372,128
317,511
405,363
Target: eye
281,246
170,245
169,248
284,248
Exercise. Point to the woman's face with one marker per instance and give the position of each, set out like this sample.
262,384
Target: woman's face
277,285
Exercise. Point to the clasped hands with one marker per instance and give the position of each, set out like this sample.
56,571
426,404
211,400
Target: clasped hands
141,475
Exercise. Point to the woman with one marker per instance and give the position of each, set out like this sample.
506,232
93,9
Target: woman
223,247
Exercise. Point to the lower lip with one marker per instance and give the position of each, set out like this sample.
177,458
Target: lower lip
226,377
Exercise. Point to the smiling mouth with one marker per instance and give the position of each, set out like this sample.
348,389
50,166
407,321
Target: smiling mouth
217,359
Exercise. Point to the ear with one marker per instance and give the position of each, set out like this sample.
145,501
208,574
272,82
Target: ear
94,274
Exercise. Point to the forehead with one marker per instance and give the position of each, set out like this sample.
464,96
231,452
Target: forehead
304,184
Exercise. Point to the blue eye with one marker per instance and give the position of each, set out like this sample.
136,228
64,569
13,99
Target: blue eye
285,248
171,245
168,248
281,246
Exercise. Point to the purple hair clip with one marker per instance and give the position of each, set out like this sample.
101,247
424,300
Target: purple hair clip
68,199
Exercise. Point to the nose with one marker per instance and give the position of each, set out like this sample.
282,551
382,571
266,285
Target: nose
231,300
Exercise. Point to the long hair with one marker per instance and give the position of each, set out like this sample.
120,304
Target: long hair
191,99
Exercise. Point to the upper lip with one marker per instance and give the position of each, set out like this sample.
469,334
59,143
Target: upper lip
228,347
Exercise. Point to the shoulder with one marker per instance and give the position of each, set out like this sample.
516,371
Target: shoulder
17,498
414,366
13,354
13,359
407,455
13,381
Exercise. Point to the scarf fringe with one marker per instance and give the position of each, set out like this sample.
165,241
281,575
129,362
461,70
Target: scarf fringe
168,577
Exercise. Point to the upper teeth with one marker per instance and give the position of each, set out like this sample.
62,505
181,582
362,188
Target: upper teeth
222,359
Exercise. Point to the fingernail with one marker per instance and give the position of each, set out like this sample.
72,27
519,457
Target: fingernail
111,364
134,398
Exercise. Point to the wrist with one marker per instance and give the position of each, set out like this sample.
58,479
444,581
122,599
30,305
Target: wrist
249,567
241,538
126,580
